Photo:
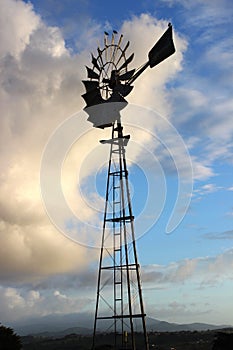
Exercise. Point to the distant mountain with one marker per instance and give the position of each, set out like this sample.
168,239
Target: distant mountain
55,323
163,326
63,333
58,325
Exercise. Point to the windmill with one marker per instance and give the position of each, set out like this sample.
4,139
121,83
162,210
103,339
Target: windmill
119,303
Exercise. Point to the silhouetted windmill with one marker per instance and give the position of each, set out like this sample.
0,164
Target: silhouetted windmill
119,303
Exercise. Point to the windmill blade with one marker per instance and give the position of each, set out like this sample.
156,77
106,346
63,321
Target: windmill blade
124,90
106,45
113,47
116,48
125,64
100,53
119,41
91,74
92,98
123,51
113,38
100,56
106,38
127,75
162,49
90,85
126,47
95,63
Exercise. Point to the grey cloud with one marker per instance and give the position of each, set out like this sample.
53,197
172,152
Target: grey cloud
17,304
219,235
200,271
180,311
69,281
33,252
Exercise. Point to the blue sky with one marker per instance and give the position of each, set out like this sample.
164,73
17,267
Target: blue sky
45,45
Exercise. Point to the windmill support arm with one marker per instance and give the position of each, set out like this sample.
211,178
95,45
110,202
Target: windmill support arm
139,72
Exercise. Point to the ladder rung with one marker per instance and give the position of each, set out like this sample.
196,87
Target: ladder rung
121,316
120,267
114,173
117,173
121,218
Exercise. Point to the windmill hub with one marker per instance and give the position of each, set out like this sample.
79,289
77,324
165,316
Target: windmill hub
114,79
107,84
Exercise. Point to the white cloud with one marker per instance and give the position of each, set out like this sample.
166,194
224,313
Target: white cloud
210,188
15,300
18,22
203,97
59,295
40,87
38,90
207,189
201,169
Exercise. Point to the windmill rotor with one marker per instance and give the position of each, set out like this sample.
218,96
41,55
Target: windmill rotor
110,69
110,78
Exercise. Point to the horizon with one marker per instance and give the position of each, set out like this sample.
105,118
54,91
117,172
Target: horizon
60,323
179,117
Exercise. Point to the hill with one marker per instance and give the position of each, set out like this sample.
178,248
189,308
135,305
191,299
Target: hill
58,325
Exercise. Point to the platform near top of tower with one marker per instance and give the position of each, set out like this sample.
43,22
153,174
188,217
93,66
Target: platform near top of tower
117,140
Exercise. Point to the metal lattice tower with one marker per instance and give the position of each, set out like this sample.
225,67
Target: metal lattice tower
119,304
119,301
